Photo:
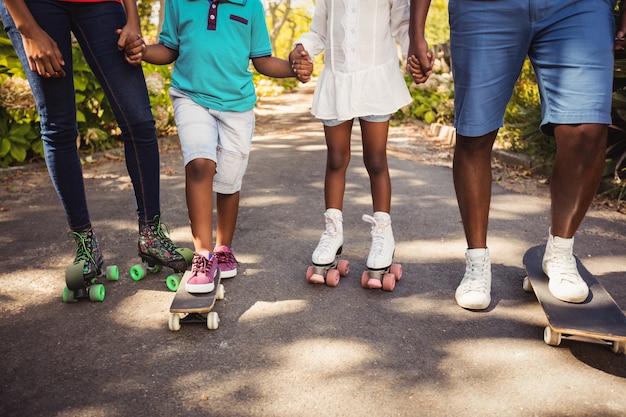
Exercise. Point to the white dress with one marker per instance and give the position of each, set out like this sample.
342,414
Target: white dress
361,74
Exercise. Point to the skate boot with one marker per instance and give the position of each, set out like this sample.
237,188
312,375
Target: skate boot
156,249
81,275
327,268
559,264
381,272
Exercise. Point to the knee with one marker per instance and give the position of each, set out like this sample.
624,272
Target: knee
141,132
200,170
337,161
376,164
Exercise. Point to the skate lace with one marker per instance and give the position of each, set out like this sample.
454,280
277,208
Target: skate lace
82,251
326,241
165,240
378,234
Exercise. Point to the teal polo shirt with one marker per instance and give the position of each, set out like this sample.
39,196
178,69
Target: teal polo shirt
215,41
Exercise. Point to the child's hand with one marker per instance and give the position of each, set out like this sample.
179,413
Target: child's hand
301,63
133,47
420,70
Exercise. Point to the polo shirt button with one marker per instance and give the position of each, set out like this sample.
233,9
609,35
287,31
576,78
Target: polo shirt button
212,17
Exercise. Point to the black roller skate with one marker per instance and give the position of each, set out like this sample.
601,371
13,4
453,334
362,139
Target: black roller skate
81,275
156,249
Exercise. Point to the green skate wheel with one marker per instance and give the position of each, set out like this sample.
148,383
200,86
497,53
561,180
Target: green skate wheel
112,273
96,292
186,253
74,276
68,296
173,282
137,272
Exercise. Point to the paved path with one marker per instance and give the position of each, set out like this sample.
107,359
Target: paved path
284,347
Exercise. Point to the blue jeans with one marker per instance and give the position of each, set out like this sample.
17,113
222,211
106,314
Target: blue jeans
93,25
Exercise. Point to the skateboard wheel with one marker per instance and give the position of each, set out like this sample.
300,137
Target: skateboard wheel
212,320
96,292
219,295
389,282
332,278
526,285
551,337
396,270
137,272
343,266
112,273
173,282
619,347
68,296
174,322
187,254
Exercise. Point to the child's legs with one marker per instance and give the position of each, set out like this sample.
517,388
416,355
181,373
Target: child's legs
198,132
375,159
337,161
235,131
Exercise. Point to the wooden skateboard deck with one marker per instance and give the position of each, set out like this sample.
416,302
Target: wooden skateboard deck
195,308
598,319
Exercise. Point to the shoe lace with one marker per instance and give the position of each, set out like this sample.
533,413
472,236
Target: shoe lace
378,234
475,274
199,264
566,265
225,257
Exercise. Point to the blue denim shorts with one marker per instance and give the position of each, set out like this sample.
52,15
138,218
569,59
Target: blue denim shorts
569,42
371,118
223,137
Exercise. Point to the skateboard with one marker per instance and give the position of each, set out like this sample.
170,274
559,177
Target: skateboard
330,273
385,278
77,288
597,320
195,308
139,271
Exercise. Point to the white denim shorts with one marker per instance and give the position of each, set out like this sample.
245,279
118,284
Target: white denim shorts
221,136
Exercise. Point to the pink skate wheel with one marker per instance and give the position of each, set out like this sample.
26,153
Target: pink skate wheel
343,267
396,269
389,282
365,276
332,278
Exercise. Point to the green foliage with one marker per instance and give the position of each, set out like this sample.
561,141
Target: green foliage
437,26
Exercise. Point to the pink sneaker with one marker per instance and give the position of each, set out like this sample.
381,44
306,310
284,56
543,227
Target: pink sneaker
226,261
203,273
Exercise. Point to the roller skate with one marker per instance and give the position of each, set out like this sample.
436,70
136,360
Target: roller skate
381,272
157,250
327,267
82,274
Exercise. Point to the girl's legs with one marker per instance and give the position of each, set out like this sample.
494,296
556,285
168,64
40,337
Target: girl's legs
199,190
227,212
375,159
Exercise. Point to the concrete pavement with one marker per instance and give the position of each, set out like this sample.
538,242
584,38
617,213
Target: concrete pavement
285,347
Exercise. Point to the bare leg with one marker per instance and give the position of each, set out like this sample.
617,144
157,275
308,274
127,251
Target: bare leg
375,159
472,182
578,166
227,212
337,161
199,190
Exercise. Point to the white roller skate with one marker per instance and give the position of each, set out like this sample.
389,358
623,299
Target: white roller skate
327,268
381,273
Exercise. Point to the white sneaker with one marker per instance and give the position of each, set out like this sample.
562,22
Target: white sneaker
474,291
383,244
331,240
559,264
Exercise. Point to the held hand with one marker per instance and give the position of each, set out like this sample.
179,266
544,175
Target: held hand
420,72
44,56
132,45
301,64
